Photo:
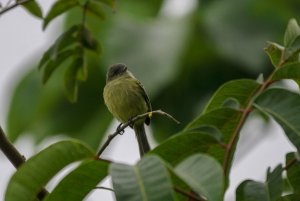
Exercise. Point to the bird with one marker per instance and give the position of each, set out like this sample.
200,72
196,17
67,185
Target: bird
125,98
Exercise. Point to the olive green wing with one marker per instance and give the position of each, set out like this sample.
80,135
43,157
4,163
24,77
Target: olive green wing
145,96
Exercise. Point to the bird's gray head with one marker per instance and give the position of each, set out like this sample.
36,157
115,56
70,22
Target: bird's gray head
115,71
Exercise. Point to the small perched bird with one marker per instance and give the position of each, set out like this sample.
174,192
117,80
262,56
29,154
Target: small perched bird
125,98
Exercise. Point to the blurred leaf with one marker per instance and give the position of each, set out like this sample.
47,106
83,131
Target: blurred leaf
292,197
53,64
293,172
180,146
89,41
32,176
204,175
283,106
291,33
137,44
240,90
140,9
82,72
269,191
239,29
81,181
58,8
71,79
274,52
43,111
95,9
63,41
33,7
107,2
147,181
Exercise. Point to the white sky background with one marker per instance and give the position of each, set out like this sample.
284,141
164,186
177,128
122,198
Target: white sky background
21,37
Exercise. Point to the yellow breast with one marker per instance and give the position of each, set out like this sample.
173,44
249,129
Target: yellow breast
123,98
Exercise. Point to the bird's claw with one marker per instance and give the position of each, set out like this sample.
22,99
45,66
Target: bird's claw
119,130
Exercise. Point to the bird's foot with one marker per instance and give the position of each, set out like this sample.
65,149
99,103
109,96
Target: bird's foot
130,121
119,129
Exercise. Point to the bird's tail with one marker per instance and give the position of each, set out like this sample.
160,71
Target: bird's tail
140,133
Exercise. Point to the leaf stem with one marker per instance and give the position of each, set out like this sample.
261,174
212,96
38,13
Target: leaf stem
8,8
84,7
245,113
120,129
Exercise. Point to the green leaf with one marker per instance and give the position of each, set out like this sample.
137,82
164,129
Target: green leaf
288,71
62,42
291,33
95,9
240,90
77,184
89,42
72,77
292,197
291,53
283,106
82,72
33,7
274,51
204,175
107,2
224,119
268,191
180,146
58,8
293,172
54,64
32,176
36,110
149,180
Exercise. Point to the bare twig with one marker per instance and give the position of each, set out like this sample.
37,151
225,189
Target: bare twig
17,3
121,128
15,157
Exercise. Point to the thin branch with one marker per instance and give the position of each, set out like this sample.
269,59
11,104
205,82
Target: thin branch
120,129
8,8
15,157
104,188
188,194
290,163
10,151
245,113
235,135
